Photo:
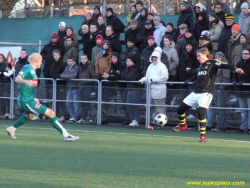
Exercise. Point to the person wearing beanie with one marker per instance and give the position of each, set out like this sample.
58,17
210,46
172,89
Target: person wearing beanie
169,31
96,50
115,22
244,18
226,33
186,15
244,44
159,30
131,50
220,13
88,21
96,13
238,7
215,28
133,31
201,25
132,73
233,42
156,72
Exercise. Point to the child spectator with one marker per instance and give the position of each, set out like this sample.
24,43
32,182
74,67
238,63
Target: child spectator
96,50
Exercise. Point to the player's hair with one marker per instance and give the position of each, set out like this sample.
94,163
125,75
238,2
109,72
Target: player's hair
206,52
112,29
3,57
56,51
168,37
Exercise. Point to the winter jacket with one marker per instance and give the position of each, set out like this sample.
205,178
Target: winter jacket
70,73
132,73
62,37
215,29
47,55
244,23
142,37
102,30
188,59
56,69
132,51
179,46
85,41
114,43
190,39
2,69
156,72
185,17
196,15
142,19
225,35
7,76
230,47
159,33
244,78
71,52
206,44
86,71
146,53
116,23
20,64
88,23
129,18
173,34
201,25
237,52
92,40
75,42
132,33
103,64
226,8
221,17
173,59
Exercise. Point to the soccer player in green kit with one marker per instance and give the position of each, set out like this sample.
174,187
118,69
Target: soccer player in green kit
27,80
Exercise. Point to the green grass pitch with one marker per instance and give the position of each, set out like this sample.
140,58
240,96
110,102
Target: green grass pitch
115,157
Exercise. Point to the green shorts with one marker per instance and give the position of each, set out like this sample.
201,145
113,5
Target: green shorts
34,108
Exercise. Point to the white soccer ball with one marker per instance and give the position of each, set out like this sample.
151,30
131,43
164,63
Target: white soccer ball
161,119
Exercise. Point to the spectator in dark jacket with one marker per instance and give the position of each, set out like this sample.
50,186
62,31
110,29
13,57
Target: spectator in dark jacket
142,37
85,41
57,67
220,13
143,18
62,35
96,13
132,50
116,23
181,39
243,95
93,34
146,53
189,36
88,21
22,61
86,71
101,26
197,9
132,73
226,33
2,69
225,6
204,42
201,25
171,32
133,31
113,40
186,15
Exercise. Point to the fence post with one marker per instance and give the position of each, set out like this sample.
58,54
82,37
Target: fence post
54,95
165,7
1,14
147,105
99,106
104,8
51,12
40,46
12,98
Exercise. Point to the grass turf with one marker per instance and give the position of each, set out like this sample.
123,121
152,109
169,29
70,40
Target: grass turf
116,157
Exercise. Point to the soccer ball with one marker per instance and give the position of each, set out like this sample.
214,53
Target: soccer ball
161,119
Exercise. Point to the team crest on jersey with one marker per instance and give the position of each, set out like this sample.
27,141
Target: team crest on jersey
218,64
38,105
32,72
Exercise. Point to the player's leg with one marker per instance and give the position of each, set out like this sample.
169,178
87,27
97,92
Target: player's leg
182,117
58,126
203,121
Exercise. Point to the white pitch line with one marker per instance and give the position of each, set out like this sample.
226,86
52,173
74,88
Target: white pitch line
102,132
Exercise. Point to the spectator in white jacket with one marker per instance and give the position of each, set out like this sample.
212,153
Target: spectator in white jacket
156,72
159,30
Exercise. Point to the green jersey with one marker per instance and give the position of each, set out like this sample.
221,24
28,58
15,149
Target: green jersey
26,93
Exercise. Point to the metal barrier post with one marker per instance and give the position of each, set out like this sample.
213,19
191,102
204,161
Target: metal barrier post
147,105
54,95
12,98
99,106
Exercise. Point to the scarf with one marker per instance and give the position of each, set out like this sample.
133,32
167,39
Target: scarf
104,53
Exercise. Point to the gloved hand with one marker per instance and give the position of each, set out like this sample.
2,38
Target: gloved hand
234,83
186,82
240,83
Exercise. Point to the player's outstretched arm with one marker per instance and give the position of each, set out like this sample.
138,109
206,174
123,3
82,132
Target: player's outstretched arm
19,79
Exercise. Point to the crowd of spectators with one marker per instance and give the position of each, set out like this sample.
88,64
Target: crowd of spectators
149,40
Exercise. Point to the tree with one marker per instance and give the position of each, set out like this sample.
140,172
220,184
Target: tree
6,7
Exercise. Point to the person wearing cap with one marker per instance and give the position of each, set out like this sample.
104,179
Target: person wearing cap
225,6
88,20
186,15
142,37
131,50
181,39
135,90
62,33
133,31
85,41
232,42
220,97
159,30
146,53
204,42
101,26
70,33
114,21
71,50
86,71
171,32
96,50
243,90
244,18
156,72
226,33
215,28
130,16
96,13
113,39
220,13
244,44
